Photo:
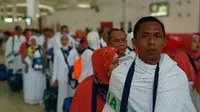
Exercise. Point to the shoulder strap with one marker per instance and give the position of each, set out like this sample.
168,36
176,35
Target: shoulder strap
129,48
96,88
101,45
94,95
70,68
90,48
127,85
65,58
155,87
193,64
39,49
13,43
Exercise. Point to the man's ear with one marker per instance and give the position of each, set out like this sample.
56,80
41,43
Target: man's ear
164,43
134,42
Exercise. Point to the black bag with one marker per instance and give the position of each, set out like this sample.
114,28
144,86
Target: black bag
3,72
15,81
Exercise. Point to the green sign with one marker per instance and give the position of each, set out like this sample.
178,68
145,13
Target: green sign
115,103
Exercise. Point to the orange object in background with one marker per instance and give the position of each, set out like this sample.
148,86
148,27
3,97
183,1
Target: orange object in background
24,45
77,68
81,37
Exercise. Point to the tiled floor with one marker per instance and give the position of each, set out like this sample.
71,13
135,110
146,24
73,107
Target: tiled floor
13,102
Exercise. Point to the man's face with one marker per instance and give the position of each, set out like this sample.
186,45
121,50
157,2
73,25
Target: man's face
64,41
104,34
118,41
149,40
64,31
6,36
19,31
33,42
195,44
48,34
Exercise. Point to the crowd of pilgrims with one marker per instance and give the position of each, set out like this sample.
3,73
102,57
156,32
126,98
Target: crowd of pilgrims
107,71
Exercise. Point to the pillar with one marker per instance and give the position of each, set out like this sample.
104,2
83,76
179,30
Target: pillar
14,10
32,11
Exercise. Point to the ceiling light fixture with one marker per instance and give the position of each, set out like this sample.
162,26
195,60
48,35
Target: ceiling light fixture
8,20
83,5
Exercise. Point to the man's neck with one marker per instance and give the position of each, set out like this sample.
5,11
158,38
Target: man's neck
121,55
18,36
150,61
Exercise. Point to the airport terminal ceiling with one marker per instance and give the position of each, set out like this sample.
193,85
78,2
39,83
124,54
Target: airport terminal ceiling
47,7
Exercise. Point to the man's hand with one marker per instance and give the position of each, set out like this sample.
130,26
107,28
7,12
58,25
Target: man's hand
55,84
113,65
26,68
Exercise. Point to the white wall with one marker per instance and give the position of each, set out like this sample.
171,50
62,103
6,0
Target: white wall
10,26
135,9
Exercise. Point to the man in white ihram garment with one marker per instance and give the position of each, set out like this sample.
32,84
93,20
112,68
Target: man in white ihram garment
13,59
64,30
117,39
151,82
63,70
129,38
104,37
51,44
34,79
93,40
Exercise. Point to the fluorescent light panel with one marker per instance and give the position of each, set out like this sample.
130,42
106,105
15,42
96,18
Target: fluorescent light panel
83,5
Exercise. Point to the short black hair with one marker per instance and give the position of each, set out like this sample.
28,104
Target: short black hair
48,30
103,29
63,26
7,33
26,30
146,19
64,36
17,28
111,31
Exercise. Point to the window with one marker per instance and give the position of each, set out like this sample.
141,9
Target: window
159,9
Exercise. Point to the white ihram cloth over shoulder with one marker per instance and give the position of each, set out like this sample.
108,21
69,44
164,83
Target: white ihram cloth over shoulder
34,82
17,63
130,53
173,91
93,40
102,42
60,73
196,100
